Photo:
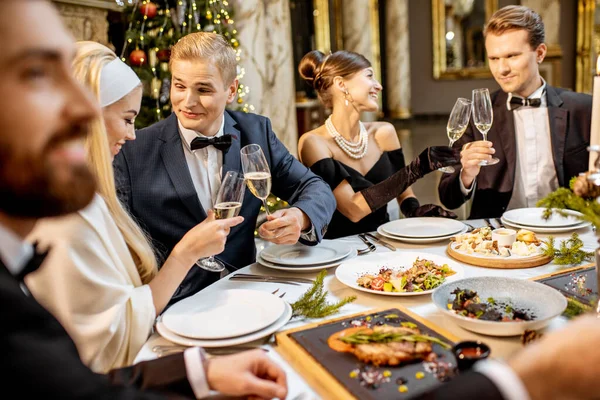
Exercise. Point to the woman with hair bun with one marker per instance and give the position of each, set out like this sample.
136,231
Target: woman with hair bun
363,163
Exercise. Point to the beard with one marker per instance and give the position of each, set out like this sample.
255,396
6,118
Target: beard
32,187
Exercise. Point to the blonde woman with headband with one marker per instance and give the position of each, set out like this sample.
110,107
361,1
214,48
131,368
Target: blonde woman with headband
101,278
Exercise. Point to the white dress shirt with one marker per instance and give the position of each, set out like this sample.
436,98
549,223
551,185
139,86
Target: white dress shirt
205,165
535,174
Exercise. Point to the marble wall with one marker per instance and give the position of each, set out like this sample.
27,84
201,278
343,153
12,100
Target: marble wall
264,33
397,63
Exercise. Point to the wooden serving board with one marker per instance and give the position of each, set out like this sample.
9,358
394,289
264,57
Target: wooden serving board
328,371
562,281
497,261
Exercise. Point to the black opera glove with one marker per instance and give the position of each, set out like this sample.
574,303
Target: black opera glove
429,160
410,208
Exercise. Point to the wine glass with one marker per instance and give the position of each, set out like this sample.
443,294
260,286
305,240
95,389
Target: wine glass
483,116
256,172
227,205
457,124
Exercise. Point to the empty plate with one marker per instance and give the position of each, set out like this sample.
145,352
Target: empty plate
538,229
304,268
274,327
425,227
420,240
223,314
533,217
327,251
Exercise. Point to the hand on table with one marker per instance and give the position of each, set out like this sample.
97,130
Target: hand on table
564,364
251,373
470,157
284,226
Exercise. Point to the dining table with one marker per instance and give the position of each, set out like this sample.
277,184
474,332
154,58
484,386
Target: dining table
298,389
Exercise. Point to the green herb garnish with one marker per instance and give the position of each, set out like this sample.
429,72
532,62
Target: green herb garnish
391,316
313,304
362,337
570,251
491,301
575,308
408,324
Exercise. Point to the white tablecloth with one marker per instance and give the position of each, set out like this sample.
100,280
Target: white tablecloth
421,305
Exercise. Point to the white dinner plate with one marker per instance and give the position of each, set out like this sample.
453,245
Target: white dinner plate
425,227
304,268
420,240
546,230
327,251
533,217
274,327
223,314
350,271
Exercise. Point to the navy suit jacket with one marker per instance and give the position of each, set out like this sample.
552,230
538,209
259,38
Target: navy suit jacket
154,182
569,117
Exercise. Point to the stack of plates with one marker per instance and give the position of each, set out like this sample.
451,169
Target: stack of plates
422,230
301,258
531,219
225,318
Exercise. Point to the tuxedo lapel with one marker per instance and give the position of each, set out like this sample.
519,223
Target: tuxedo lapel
557,118
174,160
504,126
231,158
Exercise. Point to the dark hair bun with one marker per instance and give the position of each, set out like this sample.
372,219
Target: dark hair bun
309,65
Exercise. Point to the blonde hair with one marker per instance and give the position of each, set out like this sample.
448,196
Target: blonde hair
207,46
517,17
87,66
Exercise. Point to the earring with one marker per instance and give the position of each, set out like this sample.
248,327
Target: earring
346,97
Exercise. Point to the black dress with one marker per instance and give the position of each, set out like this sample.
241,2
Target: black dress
334,172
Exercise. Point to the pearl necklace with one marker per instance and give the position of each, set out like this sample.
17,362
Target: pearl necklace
354,150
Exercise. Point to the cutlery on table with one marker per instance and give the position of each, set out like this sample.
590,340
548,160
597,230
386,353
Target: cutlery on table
499,222
370,245
247,279
489,223
163,350
271,278
379,241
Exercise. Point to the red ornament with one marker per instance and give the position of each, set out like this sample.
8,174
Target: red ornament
163,55
148,9
137,58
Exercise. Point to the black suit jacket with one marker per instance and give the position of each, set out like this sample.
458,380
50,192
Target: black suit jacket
154,182
569,117
39,360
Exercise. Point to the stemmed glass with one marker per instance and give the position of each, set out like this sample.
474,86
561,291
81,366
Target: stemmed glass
227,205
256,172
457,124
483,116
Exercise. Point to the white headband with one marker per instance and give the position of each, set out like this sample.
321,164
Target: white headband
117,79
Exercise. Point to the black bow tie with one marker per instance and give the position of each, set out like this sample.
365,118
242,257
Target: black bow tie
33,263
516,102
222,142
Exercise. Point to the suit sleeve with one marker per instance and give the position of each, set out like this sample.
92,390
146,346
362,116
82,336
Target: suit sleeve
300,187
449,189
122,180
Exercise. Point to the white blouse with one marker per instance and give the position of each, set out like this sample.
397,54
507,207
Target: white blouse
90,283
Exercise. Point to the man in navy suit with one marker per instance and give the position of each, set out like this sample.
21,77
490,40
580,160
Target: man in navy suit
170,175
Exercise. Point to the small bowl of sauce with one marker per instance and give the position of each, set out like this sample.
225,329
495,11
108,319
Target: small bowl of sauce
469,352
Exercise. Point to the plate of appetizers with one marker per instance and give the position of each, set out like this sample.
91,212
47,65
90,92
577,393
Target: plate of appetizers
499,248
403,274
499,306
376,354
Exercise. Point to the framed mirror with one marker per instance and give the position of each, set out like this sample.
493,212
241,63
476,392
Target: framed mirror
458,43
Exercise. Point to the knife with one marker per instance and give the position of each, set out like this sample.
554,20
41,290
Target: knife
268,280
283,278
381,242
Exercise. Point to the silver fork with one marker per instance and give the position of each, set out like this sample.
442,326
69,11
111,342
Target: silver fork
370,246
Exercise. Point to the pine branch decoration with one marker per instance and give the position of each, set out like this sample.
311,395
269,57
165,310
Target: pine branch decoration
313,304
570,251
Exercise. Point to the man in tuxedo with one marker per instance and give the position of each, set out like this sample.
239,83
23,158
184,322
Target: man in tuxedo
44,113
169,177
539,133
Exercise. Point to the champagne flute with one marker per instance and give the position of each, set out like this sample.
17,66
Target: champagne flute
457,124
483,117
256,172
227,205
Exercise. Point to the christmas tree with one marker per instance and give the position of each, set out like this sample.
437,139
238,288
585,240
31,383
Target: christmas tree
153,27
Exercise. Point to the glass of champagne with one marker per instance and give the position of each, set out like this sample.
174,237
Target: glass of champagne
457,124
483,116
256,172
227,205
